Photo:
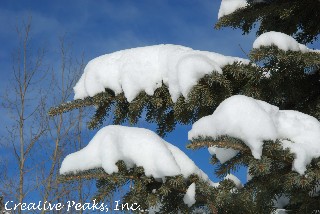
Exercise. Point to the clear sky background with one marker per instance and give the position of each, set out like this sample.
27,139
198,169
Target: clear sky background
96,27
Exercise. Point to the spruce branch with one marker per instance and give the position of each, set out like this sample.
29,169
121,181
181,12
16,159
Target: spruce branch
221,141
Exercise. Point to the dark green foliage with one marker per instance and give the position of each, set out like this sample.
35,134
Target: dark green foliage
293,80
143,190
291,76
290,80
299,18
203,99
272,177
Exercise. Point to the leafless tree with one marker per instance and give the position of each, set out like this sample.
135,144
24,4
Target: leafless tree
23,100
38,142
64,133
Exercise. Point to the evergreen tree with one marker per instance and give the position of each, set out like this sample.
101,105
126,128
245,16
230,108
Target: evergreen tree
298,18
287,79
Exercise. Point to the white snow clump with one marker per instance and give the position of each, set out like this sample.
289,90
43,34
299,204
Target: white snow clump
229,6
136,147
281,201
145,69
280,211
223,154
282,41
189,197
254,121
235,180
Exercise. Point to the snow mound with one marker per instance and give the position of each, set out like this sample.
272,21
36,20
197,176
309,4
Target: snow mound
146,68
222,154
281,201
281,40
235,180
229,6
136,147
189,197
280,211
155,209
254,121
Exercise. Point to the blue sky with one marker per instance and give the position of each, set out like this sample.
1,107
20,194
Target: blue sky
96,27
102,26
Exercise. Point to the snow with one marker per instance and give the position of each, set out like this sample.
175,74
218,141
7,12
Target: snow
235,180
155,209
145,69
229,6
281,202
280,211
281,40
189,197
316,191
136,147
222,154
186,165
254,121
